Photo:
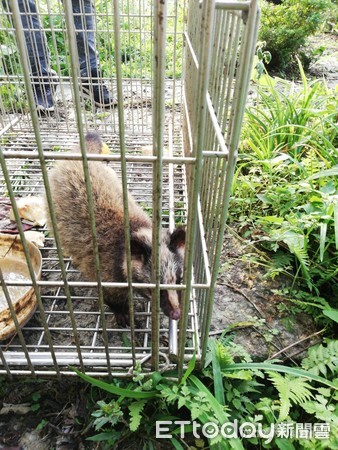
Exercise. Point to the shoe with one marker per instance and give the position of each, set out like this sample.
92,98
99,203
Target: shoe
44,90
94,88
44,99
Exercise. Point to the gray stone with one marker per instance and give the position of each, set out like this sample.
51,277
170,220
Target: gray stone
263,322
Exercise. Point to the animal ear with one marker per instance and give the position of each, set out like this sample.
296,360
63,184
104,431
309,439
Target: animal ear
177,240
140,246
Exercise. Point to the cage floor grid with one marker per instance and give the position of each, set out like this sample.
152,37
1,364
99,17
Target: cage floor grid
26,179
137,114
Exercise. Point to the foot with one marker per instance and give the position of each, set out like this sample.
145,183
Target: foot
44,89
94,88
44,98
122,319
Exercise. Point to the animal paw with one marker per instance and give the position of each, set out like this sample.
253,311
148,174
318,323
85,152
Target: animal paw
122,319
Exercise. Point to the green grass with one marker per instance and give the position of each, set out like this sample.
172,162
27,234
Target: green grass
286,190
224,392
136,40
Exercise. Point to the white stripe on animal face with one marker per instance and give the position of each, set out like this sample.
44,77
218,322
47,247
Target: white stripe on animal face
173,299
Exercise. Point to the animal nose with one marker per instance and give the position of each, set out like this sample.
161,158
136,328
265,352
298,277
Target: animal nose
175,314
173,299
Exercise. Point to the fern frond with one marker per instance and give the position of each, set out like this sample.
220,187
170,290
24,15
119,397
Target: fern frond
283,389
310,304
297,244
322,357
300,390
281,259
135,410
290,389
301,255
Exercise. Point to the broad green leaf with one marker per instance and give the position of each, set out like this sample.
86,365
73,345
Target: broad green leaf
278,159
284,444
331,313
272,219
332,172
103,436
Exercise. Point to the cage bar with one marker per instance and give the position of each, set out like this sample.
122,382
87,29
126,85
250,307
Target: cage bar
178,73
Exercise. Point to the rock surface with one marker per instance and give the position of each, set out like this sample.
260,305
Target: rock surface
326,66
245,304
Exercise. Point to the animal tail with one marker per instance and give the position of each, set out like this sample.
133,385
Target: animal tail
95,144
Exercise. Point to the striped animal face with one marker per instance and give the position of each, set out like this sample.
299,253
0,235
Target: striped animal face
171,271
171,265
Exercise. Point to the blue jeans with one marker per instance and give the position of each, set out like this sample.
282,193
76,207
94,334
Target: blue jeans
36,42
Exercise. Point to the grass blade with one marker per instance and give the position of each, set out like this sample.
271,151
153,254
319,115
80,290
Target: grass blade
335,216
115,389
216,406
218,378
177,444
280,368
323,230
190,368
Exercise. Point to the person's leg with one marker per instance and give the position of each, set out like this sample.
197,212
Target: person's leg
92,84
38,53
84,21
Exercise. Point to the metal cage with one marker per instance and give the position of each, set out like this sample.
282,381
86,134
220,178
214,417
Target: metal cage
180,74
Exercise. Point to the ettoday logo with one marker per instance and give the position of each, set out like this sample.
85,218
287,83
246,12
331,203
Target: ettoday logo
245,430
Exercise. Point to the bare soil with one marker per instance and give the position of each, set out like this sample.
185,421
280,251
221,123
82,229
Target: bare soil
326,65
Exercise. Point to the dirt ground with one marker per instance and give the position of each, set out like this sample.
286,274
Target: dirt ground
326,65
44,414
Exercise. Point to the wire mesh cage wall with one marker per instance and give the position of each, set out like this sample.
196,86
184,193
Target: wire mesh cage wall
177,76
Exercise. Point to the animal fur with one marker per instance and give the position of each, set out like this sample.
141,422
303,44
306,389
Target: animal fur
72,214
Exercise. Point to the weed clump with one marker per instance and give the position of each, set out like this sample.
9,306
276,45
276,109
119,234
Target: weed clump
285,27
